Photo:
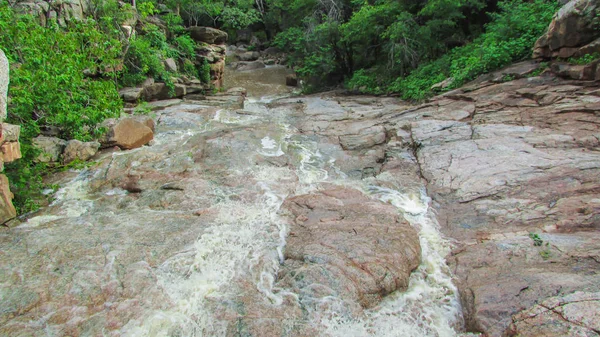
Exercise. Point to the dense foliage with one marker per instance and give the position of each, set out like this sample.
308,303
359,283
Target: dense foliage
407,46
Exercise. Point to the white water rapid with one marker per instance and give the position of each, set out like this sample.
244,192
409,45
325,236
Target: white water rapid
199,251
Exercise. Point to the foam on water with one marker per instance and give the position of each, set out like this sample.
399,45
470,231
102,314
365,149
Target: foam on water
247,239
73,201
430,306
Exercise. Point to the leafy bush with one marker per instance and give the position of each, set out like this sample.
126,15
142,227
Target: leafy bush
185,46
584,59
365,81
204,72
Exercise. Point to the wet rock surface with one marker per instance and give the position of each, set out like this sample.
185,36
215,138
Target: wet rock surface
266,220
340,239
191,230
502,161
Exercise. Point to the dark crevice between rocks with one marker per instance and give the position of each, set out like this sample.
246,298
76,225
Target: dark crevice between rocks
414,147
559,314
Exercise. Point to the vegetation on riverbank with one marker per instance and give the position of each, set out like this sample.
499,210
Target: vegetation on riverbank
406,47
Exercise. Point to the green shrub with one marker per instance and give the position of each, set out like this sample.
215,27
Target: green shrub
204,72
365,81
185,46
189,68
585,59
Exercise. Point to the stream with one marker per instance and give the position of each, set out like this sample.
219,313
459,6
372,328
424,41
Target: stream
201,245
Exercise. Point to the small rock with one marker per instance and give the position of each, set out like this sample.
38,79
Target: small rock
129,133
443,84
171,65
76,149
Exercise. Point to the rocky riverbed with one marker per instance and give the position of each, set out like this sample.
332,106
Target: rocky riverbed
329,214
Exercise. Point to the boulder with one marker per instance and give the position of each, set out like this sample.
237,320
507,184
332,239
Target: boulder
249,56
208,35
243,36
170,65
76,149
7,210
254,41
160,91
217,73
573,26
11,151
128,133
147,121
291,80
156,91
243,66
4,79
131,95
585,72
272,51
50,148
353,247
10,132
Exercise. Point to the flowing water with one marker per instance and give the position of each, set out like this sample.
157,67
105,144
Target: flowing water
205,238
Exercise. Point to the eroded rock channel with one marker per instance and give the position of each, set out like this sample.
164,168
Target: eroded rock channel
327,215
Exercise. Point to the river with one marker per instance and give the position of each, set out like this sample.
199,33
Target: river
201,246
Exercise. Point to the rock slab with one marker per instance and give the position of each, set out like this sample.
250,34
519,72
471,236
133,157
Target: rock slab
357,248
78,150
